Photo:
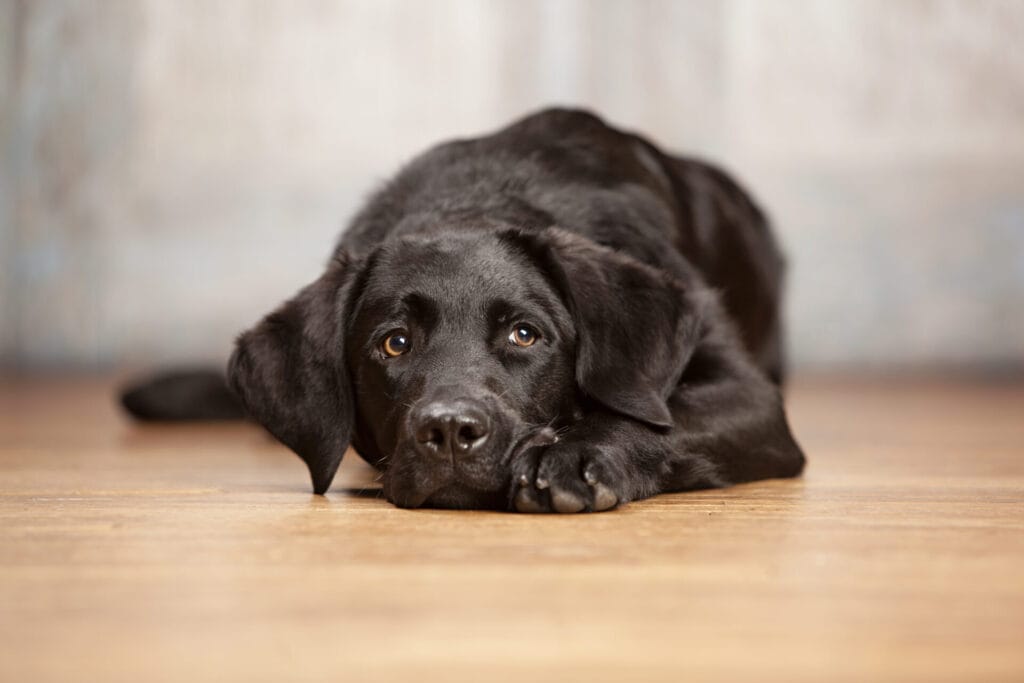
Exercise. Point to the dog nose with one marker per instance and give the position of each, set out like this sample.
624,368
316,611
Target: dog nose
456,428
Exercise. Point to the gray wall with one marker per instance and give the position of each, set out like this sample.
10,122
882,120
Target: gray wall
171,170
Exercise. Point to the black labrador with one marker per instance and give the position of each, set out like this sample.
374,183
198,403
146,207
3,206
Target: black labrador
555,317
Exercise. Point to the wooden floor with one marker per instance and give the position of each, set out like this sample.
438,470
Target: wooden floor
133,553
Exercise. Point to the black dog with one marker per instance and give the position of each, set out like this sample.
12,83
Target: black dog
558,316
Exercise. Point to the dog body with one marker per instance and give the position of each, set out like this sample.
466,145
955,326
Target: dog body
556,317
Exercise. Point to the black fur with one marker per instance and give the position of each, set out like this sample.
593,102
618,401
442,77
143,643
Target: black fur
182,396
652,281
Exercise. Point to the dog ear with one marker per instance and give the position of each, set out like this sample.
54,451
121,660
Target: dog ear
289,372
636,326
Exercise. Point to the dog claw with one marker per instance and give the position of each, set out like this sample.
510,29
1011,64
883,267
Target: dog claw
524,480
565,502
589,477
525,502
604,498
542,483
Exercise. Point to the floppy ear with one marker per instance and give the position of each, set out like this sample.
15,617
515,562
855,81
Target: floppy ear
636,327
290,373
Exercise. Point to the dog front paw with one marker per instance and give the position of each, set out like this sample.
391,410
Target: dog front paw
569,477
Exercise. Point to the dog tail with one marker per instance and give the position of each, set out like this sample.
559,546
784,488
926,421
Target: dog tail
182,395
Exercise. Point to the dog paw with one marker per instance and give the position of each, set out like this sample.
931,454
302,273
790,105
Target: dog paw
568,478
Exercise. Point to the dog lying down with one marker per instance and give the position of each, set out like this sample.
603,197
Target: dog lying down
556,317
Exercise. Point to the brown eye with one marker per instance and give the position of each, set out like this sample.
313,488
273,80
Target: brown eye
523,335
396,343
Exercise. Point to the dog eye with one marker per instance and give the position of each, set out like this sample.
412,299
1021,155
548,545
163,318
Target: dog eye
523,335
396,343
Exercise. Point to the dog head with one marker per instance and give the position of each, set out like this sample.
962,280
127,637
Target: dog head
441,357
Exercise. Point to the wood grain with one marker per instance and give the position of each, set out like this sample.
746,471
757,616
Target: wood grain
133,553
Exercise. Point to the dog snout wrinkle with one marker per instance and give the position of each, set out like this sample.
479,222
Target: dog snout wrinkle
455,429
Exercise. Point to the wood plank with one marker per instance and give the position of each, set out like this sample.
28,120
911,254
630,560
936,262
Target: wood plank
134,553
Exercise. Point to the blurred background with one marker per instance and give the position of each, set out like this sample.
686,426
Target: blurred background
170,170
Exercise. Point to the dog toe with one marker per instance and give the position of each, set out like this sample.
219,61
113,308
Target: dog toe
525,496
526,500
566,502
604,498
595,476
